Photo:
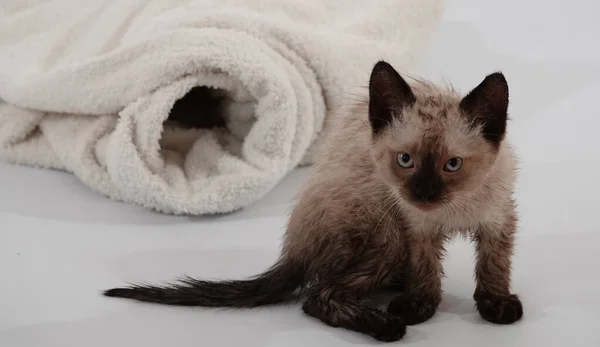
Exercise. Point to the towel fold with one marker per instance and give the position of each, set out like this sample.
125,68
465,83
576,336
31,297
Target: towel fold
88,86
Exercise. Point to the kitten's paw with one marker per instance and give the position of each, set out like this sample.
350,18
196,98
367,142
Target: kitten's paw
413,310
366,320
505,309
392,329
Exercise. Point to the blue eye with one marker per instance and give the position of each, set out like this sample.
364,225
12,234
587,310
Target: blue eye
453,165
405,160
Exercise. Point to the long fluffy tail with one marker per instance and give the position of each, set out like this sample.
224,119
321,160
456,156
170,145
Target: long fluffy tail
272,286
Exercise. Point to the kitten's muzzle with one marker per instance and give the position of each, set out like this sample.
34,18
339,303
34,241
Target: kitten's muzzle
425,194
425,188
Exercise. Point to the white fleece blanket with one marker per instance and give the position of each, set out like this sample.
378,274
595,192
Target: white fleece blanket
86,86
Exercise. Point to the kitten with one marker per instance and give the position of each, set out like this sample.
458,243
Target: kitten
417,166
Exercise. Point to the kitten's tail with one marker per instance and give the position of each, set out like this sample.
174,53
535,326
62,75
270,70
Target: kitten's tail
274,285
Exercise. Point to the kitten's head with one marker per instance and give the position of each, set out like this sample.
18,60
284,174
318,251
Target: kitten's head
433,145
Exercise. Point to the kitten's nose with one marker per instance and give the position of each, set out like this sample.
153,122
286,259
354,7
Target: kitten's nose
425,192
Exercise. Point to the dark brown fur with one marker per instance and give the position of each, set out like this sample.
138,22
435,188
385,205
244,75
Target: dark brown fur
363,222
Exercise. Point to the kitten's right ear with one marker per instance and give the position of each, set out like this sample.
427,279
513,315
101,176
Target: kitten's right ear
388,94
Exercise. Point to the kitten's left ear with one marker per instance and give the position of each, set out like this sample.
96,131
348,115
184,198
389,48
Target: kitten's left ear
487,105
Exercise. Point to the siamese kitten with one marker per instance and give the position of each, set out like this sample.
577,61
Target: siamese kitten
416,166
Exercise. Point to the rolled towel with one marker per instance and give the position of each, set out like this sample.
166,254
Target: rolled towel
88,87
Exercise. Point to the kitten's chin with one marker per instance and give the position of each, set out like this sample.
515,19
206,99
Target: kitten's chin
426,206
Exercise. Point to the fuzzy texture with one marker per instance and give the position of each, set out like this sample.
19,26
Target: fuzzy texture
400,175
87,89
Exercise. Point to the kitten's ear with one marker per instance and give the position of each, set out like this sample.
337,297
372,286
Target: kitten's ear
487,105
388,93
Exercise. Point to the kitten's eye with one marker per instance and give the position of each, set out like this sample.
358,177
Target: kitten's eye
453,165
405,160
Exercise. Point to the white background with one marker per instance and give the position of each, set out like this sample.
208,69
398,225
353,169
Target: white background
60,243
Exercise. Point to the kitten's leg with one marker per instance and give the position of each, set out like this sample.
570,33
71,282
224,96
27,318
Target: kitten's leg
398,281
340,307
493,298
336,298
423,280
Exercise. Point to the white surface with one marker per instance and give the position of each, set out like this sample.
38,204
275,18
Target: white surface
277,59
60,244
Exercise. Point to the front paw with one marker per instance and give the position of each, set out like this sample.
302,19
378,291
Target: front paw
499,309
413,310
390,329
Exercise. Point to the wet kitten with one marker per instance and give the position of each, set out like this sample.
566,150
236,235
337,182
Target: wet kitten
415,167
